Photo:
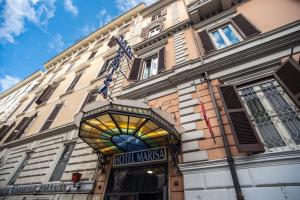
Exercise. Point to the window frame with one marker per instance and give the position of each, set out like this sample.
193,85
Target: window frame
155,27
152,57
156,16
290,144
223,35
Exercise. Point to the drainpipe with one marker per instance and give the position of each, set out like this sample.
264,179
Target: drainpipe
230,160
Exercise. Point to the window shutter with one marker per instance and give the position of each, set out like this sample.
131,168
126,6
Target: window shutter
30,103
5,129
103,68
243,131
91,97
17,130
144,33
51,117
134,73
24,126
161,59
288,76
245,26
45,96
74,82
112,42
206,41
92,55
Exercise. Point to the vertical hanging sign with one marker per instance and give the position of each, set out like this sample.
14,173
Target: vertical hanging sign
114,65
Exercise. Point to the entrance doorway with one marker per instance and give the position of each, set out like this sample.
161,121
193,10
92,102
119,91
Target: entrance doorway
138,183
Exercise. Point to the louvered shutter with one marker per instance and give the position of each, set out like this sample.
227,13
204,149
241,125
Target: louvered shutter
92,55
112,42
24,127
45,96
245,26
5,129
144,33
16,131
161,59
91,97
206,42
134,73
30,103
288,76
74,82
103,68
51,117
243,131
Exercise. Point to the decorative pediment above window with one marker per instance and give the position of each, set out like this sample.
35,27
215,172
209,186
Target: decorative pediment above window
82,66
23,98
58,79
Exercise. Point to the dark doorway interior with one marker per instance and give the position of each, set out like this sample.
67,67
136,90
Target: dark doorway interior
138,183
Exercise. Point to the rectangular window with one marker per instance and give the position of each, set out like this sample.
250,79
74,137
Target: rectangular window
5,129
154,31
156,16
104,68
30,103
91,97
47,93
74,82
62,163
51,117
92,55
20,169
150,67
274,115
225,36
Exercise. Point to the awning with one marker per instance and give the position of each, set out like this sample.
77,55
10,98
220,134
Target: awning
125,126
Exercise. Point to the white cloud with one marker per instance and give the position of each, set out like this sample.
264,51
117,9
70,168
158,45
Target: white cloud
17,12
124,5
104,17
57,44
8,81
70,7
87,29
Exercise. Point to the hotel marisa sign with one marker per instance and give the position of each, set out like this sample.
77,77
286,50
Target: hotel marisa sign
124,126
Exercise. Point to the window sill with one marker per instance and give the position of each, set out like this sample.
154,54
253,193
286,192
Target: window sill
66,93
97,79
42,104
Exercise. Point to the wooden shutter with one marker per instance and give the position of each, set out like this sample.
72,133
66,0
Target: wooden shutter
245,26
144,33
206,41
103,68
5,129
51,117
134,73
24,126
161,59
243,131
112,42
91,97
288,76
74,82
92,55
45,96
30,103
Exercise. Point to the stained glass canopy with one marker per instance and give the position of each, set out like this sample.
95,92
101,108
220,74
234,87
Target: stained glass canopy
125,126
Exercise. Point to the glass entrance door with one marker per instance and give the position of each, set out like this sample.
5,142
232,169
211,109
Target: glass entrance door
138,183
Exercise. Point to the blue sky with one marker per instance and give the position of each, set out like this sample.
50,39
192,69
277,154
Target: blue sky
33,31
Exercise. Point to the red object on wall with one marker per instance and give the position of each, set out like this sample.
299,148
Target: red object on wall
76,177
203,111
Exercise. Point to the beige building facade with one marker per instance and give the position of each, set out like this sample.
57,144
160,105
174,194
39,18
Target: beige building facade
214,83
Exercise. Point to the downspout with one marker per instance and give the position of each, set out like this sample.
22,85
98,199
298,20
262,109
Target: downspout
230,160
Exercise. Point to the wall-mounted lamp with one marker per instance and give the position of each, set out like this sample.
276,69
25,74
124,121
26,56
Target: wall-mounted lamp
76,179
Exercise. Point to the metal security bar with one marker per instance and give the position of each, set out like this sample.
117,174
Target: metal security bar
274,115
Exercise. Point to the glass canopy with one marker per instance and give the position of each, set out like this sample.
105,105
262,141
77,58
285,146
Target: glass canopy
116,128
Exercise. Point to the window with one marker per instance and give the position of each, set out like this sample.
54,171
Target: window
47,93
30,103
20,128
225,36
274,115
74,82
104,68
5,129
91,97
92,55
62,163
51,117
70,66
150,67
19,170
154,31
156,16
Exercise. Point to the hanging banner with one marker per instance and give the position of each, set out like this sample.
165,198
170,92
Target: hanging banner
140,157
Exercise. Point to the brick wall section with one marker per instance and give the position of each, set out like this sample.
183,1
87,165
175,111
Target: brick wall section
214,150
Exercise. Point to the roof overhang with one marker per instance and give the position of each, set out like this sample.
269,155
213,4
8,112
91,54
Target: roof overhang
125,126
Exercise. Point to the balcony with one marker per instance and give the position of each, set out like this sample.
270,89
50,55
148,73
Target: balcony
202,9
